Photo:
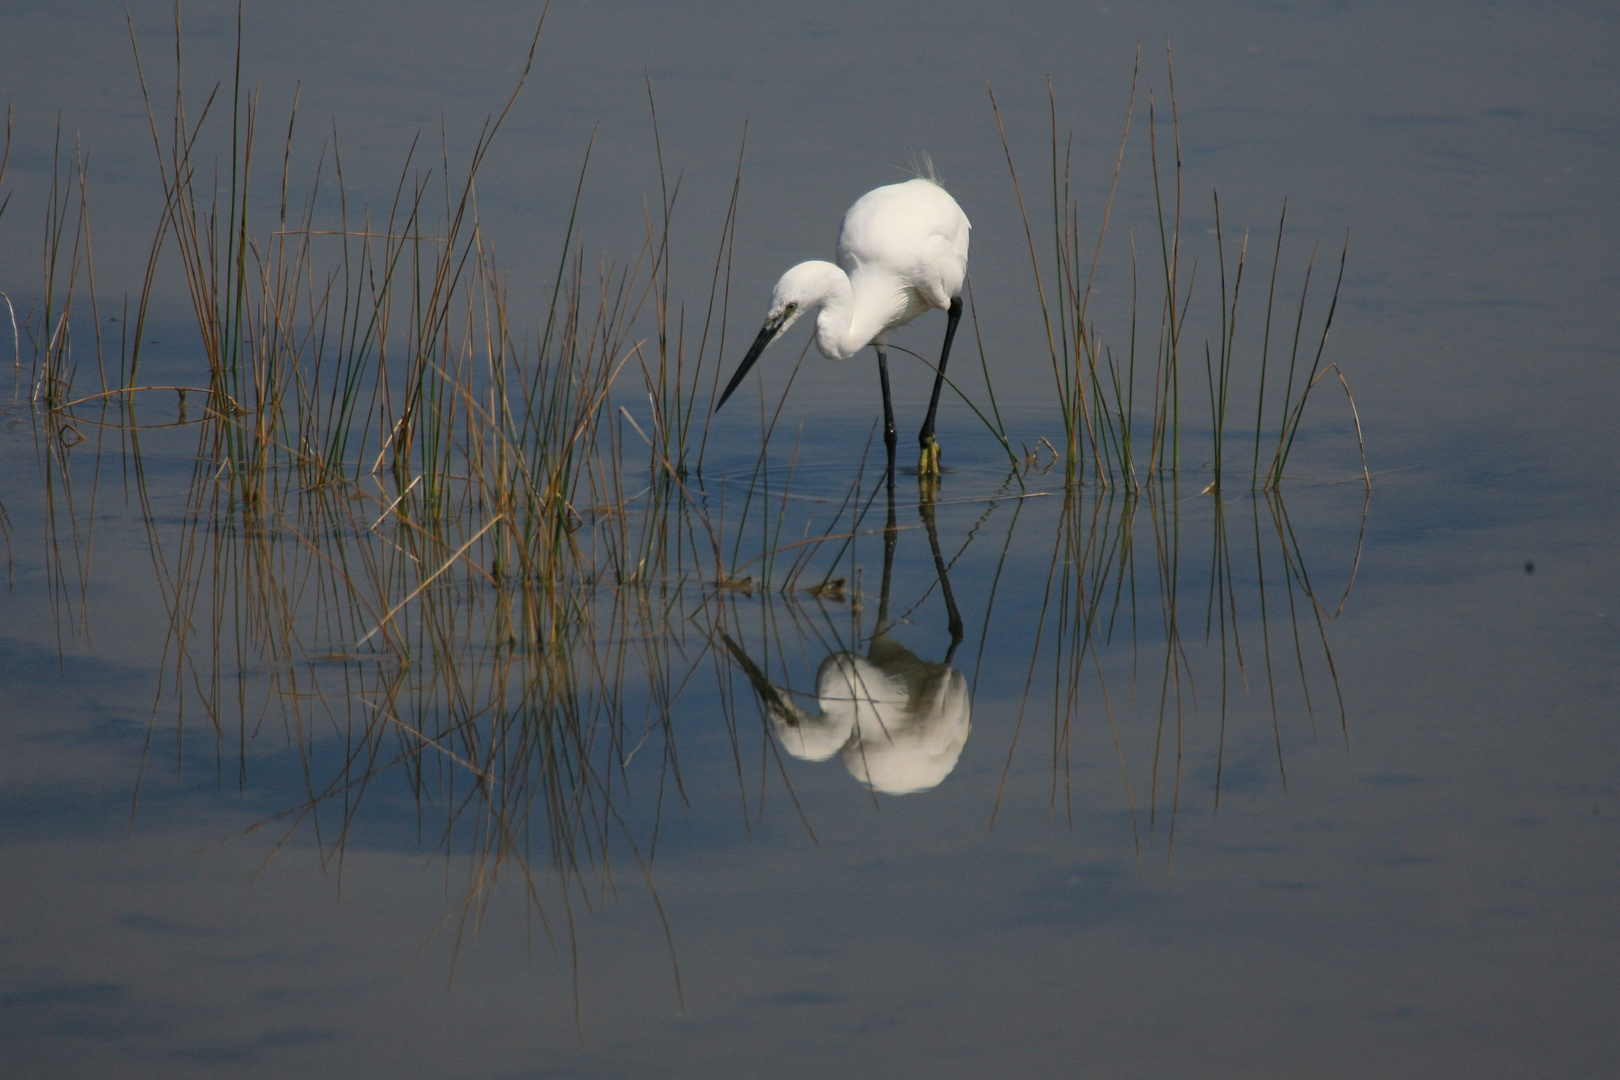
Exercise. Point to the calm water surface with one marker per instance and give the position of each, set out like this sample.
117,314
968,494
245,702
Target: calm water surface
1297,839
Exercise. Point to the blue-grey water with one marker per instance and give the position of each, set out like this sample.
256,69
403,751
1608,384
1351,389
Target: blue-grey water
1411,874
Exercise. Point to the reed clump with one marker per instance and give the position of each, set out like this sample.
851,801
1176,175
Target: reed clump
1120,396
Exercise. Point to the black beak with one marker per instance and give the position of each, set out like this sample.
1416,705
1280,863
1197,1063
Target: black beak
767,334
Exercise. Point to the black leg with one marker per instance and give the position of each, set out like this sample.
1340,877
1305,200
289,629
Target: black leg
953,617
890,439
928,464
891,540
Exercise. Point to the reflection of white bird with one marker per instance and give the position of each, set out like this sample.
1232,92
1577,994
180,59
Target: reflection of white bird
899,721
902,251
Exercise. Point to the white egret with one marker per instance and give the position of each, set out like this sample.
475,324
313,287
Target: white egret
902,251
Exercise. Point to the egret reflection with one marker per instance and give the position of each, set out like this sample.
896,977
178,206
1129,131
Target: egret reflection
899,722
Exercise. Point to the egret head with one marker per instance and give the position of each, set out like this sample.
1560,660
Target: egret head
808,285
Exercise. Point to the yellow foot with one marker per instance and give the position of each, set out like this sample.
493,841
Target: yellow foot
928,463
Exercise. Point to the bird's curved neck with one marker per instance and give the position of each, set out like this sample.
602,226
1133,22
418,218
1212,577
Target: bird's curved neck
851,317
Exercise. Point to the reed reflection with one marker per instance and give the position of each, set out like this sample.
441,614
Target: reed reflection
1165,660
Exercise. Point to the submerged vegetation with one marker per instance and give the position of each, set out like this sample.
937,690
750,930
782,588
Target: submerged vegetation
419,542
